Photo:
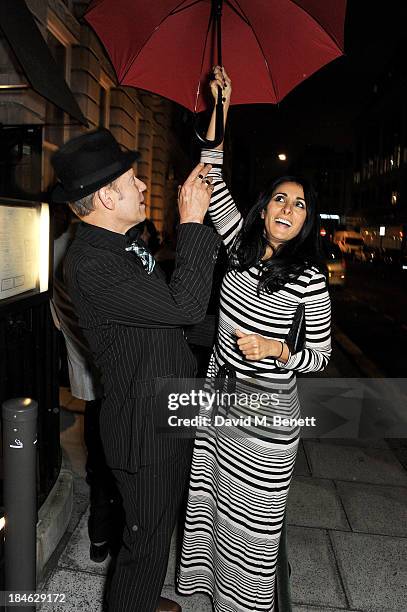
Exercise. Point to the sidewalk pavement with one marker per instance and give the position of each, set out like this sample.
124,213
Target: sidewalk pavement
347,525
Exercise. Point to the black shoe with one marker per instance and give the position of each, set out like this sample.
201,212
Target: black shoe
98,553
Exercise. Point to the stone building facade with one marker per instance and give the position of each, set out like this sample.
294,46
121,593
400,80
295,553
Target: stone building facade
380,169
137,119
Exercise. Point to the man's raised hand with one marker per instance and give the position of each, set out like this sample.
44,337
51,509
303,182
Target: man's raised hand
195,194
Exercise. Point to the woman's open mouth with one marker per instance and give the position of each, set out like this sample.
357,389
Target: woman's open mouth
283,222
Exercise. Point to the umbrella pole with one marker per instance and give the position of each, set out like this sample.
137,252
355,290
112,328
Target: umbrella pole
217,6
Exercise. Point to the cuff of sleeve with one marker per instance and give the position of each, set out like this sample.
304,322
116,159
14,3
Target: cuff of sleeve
291,362
210,156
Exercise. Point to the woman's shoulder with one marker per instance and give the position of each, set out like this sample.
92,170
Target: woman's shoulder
313,271
311,277
316,280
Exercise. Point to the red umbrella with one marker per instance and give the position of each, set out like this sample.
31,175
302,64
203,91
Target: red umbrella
168,46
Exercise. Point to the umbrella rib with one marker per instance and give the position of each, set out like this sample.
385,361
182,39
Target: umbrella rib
183,8
331,36
234,9
198,91
150,36
261,49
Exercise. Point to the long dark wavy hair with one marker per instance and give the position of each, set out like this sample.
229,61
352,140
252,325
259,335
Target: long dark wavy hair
289,259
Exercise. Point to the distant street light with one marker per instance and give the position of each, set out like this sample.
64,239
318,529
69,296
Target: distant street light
382,232
282,157
327,216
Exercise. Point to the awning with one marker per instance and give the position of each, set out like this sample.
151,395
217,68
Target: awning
35,58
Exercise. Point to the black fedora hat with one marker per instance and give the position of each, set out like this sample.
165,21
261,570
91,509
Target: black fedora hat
88,162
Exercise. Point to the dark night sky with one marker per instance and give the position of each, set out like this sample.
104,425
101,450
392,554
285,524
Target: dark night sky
322,110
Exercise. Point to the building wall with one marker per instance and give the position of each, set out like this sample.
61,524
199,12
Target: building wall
380,173
137,119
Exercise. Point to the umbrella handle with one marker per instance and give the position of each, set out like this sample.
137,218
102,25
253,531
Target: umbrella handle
219,130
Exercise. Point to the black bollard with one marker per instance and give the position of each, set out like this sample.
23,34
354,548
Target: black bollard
20,497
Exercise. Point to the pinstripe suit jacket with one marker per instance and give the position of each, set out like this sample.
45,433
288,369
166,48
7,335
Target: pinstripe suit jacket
133,323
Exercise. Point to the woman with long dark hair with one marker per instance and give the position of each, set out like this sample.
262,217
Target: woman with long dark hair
240,477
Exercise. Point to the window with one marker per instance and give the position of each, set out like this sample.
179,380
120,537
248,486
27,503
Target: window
60,41
397,156
104,100
54,116
20,167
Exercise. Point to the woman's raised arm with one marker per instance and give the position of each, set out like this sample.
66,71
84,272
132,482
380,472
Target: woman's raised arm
222,209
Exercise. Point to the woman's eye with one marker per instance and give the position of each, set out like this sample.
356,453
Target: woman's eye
279,198
301,204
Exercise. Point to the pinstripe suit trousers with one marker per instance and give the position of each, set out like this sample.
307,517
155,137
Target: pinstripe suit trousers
151,499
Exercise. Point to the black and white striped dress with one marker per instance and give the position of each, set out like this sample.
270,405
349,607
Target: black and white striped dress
240,476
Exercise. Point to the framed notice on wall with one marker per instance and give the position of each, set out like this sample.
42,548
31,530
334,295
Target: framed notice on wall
24,248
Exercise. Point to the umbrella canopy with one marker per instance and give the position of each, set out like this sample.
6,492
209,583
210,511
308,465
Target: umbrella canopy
269,46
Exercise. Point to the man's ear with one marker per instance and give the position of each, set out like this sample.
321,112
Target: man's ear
104,195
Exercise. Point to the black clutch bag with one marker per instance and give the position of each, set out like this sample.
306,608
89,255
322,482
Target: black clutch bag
296,336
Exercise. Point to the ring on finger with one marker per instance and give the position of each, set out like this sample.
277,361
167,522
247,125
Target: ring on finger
200,176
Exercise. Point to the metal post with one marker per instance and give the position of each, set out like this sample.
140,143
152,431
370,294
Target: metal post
20,496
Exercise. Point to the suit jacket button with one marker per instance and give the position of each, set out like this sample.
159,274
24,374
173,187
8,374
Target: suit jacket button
135,527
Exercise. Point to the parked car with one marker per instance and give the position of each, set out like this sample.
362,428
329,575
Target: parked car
391,257
368,254
349,242
335,263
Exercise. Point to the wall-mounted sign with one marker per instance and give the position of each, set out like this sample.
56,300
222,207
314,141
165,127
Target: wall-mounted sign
24,248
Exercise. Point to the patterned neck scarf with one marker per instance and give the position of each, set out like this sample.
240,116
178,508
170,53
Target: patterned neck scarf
143,254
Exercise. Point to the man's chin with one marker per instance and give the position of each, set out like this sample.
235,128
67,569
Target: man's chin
142,216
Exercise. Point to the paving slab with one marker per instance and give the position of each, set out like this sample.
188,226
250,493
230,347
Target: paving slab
401,454
170,575
314,579
81,501
356,442
301,467
373,569
82,591
76,554
375,509
369,465
397,442
314,502
193,603
313,609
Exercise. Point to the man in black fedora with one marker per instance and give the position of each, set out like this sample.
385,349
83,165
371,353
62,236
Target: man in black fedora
133,321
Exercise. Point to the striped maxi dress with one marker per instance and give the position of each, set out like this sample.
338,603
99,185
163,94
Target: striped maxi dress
240,476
